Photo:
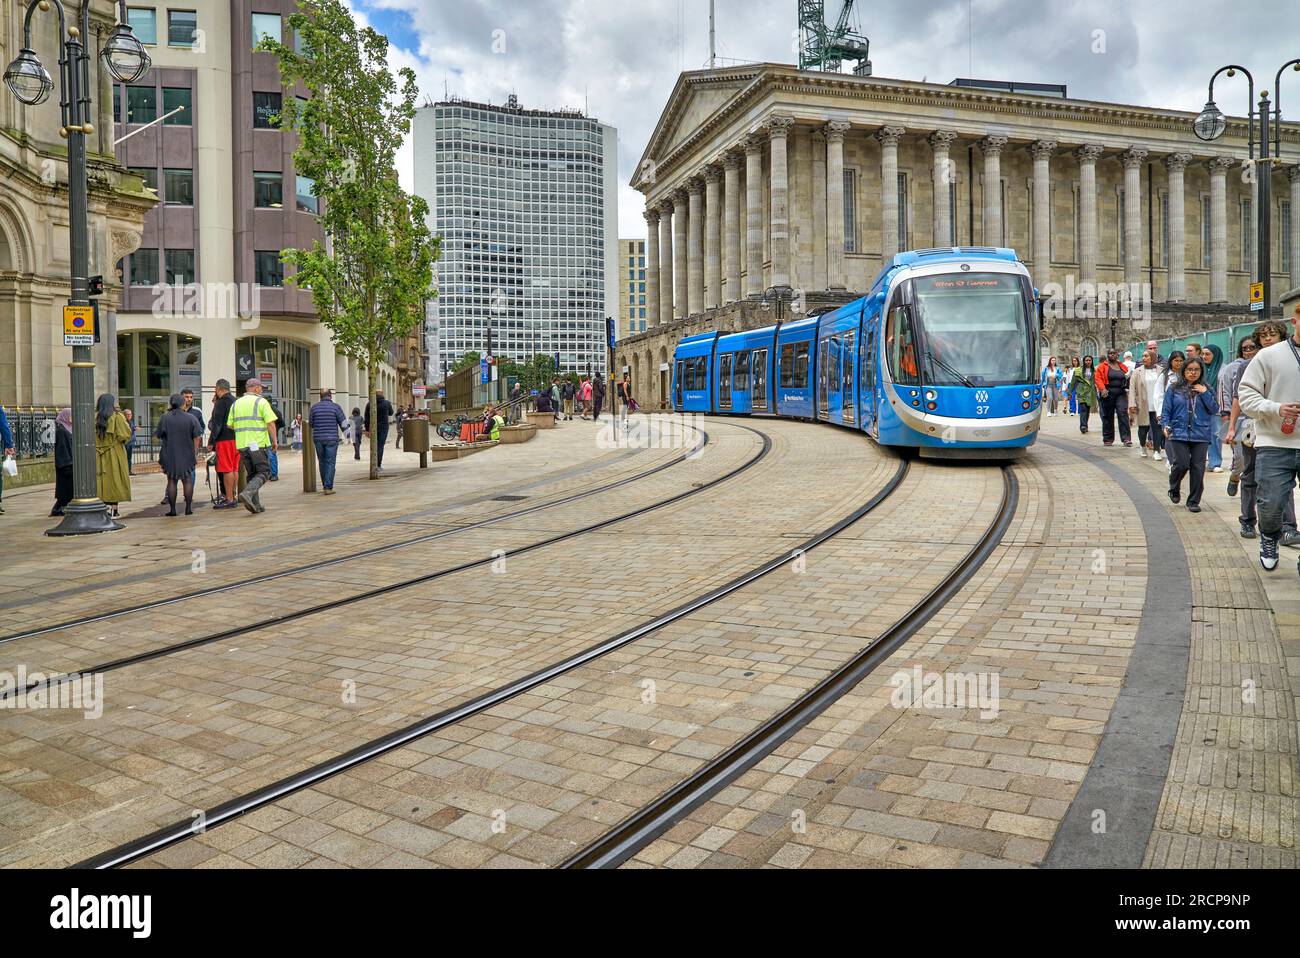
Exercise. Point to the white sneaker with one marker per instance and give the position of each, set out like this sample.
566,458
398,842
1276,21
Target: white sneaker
1218,469
1157,455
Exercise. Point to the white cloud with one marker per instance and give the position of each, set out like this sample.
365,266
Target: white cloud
621,59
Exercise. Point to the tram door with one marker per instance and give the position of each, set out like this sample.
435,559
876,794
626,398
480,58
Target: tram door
848,410
677,388
724,381
758,387
867,379
823,371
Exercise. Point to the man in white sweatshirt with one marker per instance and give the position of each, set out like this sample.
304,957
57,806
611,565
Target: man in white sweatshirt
1270,393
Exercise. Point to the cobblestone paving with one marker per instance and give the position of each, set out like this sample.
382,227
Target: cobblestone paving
154,557
528,782
191,730
1231,797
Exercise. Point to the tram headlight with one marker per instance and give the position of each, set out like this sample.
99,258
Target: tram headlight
1025,395
930,396
1024,405
931,406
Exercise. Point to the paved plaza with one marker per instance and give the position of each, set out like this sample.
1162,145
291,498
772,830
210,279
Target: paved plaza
1137,674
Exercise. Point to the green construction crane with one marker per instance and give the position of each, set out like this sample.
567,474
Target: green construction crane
825,48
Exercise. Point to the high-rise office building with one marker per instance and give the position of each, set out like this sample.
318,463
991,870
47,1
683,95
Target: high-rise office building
631,314
526,203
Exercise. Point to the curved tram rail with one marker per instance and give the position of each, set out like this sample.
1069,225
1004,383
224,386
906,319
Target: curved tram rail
640,829
112,666
363,554
228,811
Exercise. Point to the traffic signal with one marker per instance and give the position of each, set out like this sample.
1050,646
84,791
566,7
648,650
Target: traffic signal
95,286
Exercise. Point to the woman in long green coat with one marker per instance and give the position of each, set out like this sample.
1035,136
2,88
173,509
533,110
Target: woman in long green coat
1084,389
111,436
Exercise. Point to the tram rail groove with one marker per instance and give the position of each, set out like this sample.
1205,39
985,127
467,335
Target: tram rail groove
54,681
652,821
228,811
350,557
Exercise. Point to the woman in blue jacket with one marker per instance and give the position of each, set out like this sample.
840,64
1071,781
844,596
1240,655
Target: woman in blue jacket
1189,415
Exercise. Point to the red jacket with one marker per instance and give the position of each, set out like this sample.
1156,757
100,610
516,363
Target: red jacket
1101,377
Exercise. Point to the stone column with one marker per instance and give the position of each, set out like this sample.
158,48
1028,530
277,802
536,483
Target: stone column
992,147
1133,158
680,246
778,131
1219,167
712,237
695,247
667,282
731,231
652,266
754,214
940,177
1176,163
835,225
888,137
1088,213
819,228
1293,174
1042,153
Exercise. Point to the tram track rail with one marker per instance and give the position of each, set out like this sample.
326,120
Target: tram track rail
235,808
154,604
54,681
653,820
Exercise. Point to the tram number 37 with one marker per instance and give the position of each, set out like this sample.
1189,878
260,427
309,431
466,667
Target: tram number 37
981,410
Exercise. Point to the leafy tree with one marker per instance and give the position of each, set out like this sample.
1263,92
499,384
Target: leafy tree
371,277
472,358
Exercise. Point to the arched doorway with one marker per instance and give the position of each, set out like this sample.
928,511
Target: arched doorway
1090,347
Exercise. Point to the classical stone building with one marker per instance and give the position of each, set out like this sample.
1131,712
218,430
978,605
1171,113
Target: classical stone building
35,263
764,175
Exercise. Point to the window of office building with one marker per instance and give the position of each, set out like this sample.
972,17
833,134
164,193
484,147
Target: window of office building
147,173
306,195
268,190
268,270
180,266
902,211
141,104
266,109
181,27
178,96
144,23
1206,232
265,25
178,187
144,267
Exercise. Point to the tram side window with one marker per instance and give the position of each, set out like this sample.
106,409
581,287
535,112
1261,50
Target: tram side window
794,366
701,372
849,340
760,378
834,356
742,371
724,379
686,373
900,342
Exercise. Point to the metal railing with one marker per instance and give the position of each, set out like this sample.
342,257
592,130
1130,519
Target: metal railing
33,429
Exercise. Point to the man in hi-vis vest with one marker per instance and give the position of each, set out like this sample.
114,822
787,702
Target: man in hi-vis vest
253,420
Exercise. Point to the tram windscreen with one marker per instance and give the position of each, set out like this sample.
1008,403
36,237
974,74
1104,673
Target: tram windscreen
975,328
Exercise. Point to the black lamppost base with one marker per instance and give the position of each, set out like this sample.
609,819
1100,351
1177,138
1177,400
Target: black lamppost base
84,521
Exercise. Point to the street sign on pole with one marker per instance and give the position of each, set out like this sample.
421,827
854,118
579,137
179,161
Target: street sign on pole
1256,297
78,325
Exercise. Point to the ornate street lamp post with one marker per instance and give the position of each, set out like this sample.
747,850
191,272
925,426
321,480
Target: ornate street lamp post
125,58
1210,125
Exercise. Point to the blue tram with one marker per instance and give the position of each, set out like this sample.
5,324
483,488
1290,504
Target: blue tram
941,356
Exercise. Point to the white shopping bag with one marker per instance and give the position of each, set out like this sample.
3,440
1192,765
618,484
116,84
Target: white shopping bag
10,467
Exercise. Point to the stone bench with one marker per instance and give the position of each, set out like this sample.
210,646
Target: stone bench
542,420
521,432
459,450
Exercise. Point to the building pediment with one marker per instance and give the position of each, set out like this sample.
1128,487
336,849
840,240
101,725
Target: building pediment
697,97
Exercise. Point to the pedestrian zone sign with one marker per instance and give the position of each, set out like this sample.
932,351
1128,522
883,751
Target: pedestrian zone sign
78,325
1256,296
